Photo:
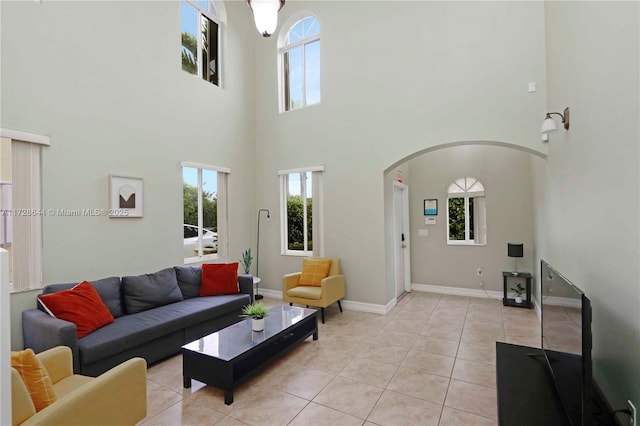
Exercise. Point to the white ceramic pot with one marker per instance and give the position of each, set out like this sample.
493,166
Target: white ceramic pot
257,324
518,299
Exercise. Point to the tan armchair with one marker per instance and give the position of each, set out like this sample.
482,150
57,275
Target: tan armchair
331,289
117,397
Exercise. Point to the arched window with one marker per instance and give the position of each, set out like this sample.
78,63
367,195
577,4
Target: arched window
466,215
200,22
300,65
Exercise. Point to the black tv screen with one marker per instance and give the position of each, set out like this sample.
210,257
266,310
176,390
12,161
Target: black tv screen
566,341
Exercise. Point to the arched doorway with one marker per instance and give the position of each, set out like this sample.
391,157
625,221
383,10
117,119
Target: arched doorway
508,168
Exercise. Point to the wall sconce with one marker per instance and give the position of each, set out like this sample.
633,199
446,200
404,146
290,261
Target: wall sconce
548,125
265,15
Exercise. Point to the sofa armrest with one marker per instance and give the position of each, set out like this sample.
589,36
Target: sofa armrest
117,397
21,403
58,361
333,288
245,282
41,331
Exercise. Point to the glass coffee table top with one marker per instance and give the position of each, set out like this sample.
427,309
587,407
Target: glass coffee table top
238,338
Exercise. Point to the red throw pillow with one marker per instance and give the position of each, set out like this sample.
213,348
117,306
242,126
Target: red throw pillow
219,278
80,305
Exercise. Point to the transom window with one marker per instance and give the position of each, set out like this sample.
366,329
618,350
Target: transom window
199,27
300,65
466,215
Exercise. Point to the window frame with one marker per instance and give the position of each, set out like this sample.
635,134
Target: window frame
317,173
217,18
479,202
222,230
36,257
283,70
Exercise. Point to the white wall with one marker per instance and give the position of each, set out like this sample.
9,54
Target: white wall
398,77
104,81
588,189
506,176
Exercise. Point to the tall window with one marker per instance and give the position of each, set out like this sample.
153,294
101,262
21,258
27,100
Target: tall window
466,218
199,27
301,211
300,65
204,211
21,212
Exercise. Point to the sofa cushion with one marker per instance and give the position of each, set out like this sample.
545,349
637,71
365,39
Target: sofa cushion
306,292
219,278
35,378
109,289
189,280
148,291
80,305
130,331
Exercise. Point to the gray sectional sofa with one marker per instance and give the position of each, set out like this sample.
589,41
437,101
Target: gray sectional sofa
155,314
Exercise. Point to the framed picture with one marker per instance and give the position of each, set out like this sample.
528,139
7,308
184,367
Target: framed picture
125,196
431,207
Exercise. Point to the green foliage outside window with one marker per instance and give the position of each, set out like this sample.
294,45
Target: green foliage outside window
295,220
456,218
209,207
189,49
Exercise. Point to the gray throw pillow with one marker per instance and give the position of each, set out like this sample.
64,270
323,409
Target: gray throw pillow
148,291
109,290
189,280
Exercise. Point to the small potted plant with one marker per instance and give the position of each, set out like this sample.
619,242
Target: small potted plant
518,290
257,312
246,260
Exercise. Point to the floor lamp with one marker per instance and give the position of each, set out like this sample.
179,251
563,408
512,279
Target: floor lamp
258,295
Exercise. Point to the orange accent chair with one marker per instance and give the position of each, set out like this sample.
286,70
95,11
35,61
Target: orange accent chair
329,289
117,397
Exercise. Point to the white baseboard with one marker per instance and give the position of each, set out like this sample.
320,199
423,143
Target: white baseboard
536,306
426,288
368,307
349,305
457,291
274,294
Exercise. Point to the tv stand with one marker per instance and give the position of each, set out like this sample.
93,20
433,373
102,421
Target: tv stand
526,393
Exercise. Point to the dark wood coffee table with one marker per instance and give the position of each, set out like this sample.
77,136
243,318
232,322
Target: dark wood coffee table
226,357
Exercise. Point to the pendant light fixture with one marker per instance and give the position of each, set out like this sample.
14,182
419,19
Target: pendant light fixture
265,15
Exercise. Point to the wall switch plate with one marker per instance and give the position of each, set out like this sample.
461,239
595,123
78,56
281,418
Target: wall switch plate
532,86
423,232
544,137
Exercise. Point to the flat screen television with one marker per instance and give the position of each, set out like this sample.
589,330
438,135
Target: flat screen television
566,343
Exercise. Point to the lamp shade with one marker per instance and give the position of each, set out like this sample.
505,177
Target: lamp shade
265,15
515,249
548,125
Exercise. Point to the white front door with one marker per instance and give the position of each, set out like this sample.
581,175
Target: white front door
401,242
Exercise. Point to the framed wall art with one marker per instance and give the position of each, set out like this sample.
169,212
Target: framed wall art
125,196
431,207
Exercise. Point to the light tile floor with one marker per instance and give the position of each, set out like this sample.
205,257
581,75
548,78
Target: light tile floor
431,361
